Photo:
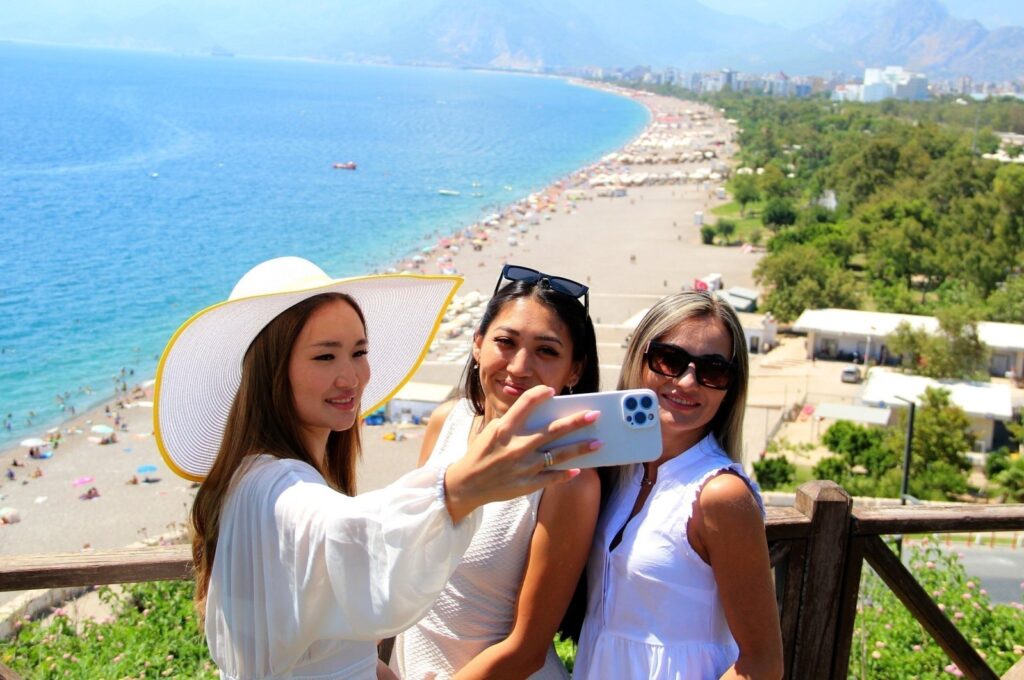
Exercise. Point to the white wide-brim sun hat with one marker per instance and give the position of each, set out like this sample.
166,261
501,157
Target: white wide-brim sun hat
200,370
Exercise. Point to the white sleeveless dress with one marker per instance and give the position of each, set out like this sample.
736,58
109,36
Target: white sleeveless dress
477,607
653,609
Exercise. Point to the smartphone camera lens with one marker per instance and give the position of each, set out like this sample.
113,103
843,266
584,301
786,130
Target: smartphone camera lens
630,403
640,418
646,402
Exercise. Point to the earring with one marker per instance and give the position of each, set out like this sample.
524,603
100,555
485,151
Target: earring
570,388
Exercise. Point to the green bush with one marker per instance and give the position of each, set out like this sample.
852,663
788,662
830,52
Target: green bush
772,473
889,643
155,633
707,234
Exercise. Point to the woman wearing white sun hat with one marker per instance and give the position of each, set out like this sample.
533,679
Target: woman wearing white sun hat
259,398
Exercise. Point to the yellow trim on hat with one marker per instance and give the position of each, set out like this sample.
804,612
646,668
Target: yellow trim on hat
169,460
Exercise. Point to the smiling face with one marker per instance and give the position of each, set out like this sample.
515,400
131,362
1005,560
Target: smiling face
328,370
687,407
525,345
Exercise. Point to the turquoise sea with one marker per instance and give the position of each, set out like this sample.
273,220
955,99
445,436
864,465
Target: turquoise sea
136,188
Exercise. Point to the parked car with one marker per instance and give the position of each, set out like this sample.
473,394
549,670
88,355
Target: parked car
851,374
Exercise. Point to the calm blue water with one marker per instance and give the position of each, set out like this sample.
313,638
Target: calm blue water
100,261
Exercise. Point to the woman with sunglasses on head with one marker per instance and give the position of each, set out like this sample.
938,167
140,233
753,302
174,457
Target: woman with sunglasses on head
679,576
259,397
504,603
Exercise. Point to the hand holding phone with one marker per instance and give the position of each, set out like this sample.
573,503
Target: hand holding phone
629,426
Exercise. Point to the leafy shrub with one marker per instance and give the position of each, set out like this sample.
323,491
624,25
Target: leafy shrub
774,472
889,643
155,633
707,234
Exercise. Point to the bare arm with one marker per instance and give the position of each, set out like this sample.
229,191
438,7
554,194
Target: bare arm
558,553
433,431
727,531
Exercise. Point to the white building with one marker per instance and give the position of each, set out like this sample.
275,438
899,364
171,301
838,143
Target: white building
893,82
984,403
842,333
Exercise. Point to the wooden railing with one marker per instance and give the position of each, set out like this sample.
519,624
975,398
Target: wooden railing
817,549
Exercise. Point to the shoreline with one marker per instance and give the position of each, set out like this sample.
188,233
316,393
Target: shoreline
631,249
41,411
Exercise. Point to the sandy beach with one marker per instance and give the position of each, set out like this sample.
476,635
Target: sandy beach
631,249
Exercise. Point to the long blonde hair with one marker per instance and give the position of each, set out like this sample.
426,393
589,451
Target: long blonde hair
666,314
263,420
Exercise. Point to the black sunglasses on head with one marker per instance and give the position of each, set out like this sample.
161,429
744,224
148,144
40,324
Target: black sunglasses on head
710,370
559,284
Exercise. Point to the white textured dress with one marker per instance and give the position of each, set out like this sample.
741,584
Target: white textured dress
477,607
306,579
653,609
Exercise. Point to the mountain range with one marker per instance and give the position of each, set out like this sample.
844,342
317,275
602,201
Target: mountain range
534,34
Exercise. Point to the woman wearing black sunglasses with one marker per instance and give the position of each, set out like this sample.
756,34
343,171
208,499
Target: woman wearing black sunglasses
503,604
679,575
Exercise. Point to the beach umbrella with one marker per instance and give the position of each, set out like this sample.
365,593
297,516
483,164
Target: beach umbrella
33,441
102,429
143,469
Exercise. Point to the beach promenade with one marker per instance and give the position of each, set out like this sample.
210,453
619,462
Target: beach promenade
631,249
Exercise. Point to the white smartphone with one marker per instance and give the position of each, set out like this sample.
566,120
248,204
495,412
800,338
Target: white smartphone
629,426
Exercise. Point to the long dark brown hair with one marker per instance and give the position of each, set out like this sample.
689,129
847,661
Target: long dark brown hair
263,420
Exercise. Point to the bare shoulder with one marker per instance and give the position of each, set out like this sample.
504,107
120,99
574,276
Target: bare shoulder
727,498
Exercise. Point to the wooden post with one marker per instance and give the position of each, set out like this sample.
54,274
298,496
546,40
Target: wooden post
828,507
7,674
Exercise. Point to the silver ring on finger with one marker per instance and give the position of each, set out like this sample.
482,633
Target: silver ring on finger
549,460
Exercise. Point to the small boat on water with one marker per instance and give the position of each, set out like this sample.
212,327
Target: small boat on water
448,192
347,165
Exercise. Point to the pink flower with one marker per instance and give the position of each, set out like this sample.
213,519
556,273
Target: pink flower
970,584
880,644
957,616
966,596
917,648
876,655
929,564
983,591
942,607
952,669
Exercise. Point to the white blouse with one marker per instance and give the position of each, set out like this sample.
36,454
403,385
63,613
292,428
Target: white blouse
305,579
653,608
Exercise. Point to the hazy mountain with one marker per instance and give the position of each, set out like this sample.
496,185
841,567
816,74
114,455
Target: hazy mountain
686,34
921,35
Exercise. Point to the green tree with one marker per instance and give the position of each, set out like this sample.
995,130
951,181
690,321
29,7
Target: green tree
772,473
774,183
778,212
725,228
799,278
1006,304
707,234
955,351
942,434
1011,482
745,191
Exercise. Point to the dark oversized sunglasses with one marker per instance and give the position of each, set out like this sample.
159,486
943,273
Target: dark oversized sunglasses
559,284
710,370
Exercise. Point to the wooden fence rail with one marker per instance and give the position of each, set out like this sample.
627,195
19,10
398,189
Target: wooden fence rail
818,549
